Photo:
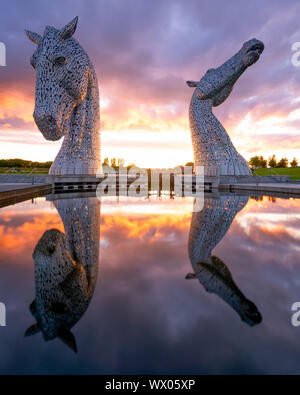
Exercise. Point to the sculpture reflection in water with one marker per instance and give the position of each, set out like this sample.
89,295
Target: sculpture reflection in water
208,227
66,269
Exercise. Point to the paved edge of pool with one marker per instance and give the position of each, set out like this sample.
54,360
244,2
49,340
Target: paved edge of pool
289,187
13,193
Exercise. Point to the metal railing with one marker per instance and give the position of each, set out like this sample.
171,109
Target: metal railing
274,175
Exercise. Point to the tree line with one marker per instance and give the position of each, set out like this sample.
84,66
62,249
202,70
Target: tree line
23,163
116,163
259,162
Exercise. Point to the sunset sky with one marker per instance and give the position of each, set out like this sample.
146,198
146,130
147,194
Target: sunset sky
143,52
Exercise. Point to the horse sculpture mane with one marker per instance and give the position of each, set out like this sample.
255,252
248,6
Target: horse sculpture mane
67,100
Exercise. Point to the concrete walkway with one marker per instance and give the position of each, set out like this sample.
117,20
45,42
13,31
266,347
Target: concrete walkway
26,190
12,193
23,179
13,187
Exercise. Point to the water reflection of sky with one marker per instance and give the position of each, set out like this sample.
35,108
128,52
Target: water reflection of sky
145,317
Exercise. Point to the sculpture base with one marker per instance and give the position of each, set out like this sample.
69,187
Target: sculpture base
234,180
74,171
239,167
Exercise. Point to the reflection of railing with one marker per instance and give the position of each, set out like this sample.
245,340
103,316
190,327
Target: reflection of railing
273,171
32,171
12,170
24,171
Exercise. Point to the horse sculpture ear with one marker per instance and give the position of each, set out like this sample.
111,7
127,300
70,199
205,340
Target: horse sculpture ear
34,37
190,276
68,30
32,307
68,338
32,330
192,84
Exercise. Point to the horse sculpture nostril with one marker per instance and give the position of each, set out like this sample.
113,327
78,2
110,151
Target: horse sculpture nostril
50,120
47,121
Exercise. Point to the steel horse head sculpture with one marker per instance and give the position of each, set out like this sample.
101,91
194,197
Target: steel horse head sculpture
212,146
67,100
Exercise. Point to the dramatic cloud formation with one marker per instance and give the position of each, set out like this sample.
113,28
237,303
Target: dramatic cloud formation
143,52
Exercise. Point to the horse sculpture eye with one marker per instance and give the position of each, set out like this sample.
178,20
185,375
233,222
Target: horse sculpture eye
60,61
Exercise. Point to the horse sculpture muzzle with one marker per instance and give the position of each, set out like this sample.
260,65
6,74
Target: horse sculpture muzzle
48,126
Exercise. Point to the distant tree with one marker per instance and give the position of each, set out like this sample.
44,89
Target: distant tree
254,162
179,168
121,162
105,162
283,163
46,164
294,163
23,163
257,162
272,162
262,162
190,164
130,166
113,163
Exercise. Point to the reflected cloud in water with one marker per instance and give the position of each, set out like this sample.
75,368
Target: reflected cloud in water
141,315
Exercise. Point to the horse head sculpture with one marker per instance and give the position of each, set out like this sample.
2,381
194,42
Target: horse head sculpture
212,145
67,99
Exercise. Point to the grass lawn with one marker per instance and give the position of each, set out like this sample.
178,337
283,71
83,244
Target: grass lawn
23,170
293,172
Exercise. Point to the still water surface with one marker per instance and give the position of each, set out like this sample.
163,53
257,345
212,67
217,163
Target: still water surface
148,286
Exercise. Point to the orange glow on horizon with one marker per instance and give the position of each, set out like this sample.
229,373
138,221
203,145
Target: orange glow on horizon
147,134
